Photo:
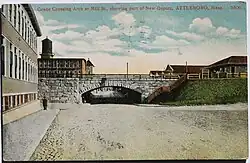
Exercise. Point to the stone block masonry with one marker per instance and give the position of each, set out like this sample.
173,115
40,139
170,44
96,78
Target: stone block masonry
69,90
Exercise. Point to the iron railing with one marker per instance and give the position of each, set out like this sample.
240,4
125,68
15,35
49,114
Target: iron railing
157,92
177,83
118,77
217,75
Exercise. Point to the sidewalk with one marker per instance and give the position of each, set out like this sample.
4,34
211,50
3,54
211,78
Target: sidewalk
21,112
22,136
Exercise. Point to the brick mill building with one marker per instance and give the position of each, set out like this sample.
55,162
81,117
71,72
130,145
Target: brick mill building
48,66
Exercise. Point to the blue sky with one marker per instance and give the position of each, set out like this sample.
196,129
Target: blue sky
148,40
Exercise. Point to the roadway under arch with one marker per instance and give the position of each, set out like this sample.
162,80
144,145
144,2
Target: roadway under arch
120,95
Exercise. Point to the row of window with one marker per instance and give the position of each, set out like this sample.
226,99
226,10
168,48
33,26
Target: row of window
20,66
10,102
233,69
2,56
21,22
56,63
59,73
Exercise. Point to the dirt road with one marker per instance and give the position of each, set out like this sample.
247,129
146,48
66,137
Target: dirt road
136,132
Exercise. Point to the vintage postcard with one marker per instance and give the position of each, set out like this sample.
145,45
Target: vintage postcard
124,81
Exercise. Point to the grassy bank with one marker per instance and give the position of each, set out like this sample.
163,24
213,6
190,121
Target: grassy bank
219,91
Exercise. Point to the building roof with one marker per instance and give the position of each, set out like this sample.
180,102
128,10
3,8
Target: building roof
61,59
232,60
155,72
169,68
89,63
190,68
46,39
33,19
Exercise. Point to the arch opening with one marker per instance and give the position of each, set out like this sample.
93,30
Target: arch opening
111,95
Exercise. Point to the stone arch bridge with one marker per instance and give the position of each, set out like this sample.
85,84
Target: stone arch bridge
70,90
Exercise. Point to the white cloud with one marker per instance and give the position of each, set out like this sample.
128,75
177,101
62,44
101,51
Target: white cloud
96,45
223,31
81,46
114,45
60,24
167,42
164,43
187,35
233,33
100,39
68,35
51,25
124,19
53,22
126,23
206,27
163,21
47,28
201,25
144,30
102,32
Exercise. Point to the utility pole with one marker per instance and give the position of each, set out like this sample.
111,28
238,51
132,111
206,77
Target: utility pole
186,68
127,70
